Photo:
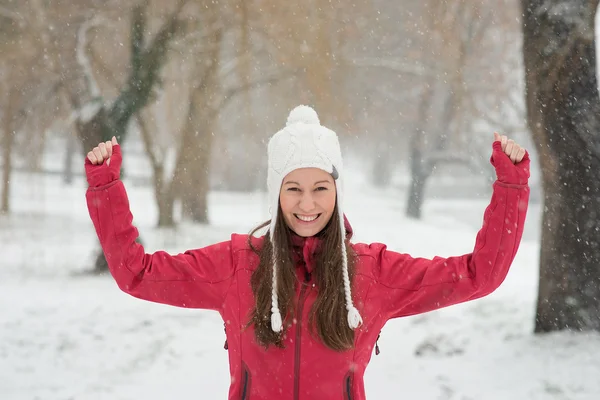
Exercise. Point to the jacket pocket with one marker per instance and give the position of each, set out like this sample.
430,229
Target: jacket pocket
348,385
246,382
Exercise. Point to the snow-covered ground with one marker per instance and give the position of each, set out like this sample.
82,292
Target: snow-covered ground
67,335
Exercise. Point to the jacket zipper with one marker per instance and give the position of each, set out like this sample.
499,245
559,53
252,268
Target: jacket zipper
349,386
298,336
246,382
245,386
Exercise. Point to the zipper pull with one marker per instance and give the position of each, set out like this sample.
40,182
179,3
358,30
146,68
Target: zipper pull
226,346
377,345
307,276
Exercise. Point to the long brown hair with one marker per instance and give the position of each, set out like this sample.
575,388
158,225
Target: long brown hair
328,315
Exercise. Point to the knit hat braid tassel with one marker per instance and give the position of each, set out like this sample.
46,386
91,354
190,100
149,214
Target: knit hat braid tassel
276,320
354,318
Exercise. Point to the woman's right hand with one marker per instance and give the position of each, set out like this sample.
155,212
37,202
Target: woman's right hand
103,163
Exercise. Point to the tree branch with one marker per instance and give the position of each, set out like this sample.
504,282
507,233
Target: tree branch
148,143
396,66
231,93
14,15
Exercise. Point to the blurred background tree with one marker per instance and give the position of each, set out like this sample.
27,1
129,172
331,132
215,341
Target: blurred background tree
563,111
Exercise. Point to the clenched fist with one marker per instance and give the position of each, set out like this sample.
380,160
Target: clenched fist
510,160
102,152
103,163
510,148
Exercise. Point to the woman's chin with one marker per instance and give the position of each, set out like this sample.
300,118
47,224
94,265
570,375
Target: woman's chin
304,232
307,231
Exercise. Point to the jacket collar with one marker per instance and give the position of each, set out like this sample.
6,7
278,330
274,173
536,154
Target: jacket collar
305,249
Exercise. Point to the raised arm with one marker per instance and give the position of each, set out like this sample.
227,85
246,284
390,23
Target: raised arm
194,279
416,285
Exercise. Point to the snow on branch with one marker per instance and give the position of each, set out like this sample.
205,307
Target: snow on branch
83,59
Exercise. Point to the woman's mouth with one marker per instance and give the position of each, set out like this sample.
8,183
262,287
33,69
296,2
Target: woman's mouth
307,218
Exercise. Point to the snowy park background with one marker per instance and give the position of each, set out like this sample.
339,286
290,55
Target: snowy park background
71,336
66,333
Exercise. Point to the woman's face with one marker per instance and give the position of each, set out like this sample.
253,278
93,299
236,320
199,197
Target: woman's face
307,198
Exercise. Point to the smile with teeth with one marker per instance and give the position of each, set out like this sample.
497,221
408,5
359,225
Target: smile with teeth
307,218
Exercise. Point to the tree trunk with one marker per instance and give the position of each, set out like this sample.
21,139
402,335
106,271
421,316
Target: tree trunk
417,184
563,110
382,165
70,149
419,169
195,196
424,157
163,187
166,204
7,145
6,167
194,185
198,139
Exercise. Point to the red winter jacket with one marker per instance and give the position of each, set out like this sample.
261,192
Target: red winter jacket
387,285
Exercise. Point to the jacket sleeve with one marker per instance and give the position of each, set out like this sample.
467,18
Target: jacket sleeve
416,285
194,279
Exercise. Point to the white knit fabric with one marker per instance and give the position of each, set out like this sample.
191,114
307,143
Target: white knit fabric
305,143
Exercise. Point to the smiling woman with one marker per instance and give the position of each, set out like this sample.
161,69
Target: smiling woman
303,305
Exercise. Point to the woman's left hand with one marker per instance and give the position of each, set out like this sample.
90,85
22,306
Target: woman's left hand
510,160
510,148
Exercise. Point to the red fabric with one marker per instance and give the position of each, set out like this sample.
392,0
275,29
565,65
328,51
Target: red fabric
387,285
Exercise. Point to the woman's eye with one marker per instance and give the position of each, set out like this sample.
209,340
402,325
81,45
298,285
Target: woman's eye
293,189
320,188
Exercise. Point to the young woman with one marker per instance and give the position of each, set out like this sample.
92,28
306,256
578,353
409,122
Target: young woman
302,305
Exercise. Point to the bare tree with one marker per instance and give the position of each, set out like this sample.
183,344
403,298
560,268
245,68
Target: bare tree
99,122
28,93
97,119
563,111
459,35
210,86
192,147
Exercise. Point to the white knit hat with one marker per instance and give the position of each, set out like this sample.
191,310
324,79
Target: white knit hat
305,143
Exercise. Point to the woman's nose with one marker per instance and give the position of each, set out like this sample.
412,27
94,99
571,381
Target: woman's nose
307,203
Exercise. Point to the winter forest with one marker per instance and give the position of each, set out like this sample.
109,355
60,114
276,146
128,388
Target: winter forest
193,89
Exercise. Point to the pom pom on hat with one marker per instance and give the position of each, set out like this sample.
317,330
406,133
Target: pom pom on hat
303,114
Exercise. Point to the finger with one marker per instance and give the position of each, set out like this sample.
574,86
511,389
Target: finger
108,145
92,157
520,155
496,137
504,141
509,146
102,147
114,141
514,153
98,154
